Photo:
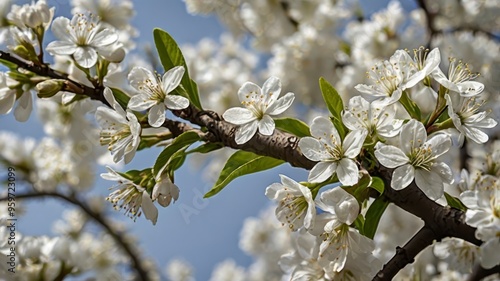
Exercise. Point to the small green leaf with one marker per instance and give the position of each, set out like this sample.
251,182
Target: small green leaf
293,126
373,215
239,164
359,223
454,202
181,142
171,56
377,184
332,98
410,106
8,64
121,97
206,148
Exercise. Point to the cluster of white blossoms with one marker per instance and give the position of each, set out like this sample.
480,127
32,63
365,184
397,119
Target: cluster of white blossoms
416,111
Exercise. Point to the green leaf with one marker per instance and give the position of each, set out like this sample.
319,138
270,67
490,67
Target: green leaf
171,56
332,98
8,64
182,142
334,104
373,215
410,106
455,202
121,97
293,126
239,164
359,223
206,148
377,184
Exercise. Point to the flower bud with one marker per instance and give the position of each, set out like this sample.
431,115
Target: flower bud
49,88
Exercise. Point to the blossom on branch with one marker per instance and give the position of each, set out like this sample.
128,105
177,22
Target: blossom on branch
120,130
260,104
154,93
9,93
334,155
82,38
417,158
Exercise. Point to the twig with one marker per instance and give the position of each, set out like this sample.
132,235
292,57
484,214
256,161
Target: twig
479,272
423,238
118,237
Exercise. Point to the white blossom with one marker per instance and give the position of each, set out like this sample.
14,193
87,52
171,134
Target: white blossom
296,206
33,15
154,93
130,197
120,130
335,156
377,120
467,117
9,91
416,157
259,104
165,190
82,38
458,78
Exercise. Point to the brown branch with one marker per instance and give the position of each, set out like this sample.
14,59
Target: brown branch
479,272
423,238
142,273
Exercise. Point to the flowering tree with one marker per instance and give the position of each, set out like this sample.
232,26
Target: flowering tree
385,133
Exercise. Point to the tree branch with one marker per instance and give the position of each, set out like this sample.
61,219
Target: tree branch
142,273
479,272
423,238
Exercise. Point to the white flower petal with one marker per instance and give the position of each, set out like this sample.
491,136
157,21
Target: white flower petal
439,144
430,183
104,37
238,116
148,208
345,205
470,88
175,102
323,128
402,177
353,143
245,132
24,107
248,92
140,102
322,171
138,76
7,100
281,104
156,115
390,156
413,135
61,48
489,253
86,57
172,78
347,172
271,90
60,27
266,125
313,149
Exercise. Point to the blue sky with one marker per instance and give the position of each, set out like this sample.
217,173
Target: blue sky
203,232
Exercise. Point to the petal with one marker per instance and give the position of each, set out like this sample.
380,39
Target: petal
444,171
85,56
148,208
271,90
60,28
248,92
24,107
439,76
138,75
175,102
470,88
156,115
281,104
140,102
430,183
104,37
402,177
390,156
61,48
345,205
322,171
489,253
272,190
238,116
172,78
7,100
313,149
266,125
353,143
245,132
412,135
322,128
347,172
439,144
